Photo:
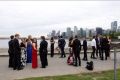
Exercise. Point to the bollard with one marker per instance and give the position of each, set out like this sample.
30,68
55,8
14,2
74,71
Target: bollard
115,65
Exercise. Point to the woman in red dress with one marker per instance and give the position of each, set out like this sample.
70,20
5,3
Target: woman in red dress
34,54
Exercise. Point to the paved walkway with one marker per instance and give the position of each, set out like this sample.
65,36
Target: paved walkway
57,66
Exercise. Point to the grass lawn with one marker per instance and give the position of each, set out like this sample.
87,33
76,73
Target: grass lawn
105,75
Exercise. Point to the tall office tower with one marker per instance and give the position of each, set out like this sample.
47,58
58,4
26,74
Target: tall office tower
114,26
53,34
75,30
99,30
118,30
87,33
81,32
69,32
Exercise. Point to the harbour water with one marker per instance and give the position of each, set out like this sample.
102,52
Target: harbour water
4,43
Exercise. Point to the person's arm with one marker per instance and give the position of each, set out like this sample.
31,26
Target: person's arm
95,44
80,45
34,46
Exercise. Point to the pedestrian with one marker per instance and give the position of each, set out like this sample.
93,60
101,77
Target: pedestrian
109,45
29,49
43,52
93,44
61,44
17,54
52,42
85,49
97,39
11,51
34,54
104,46
23,52
76,51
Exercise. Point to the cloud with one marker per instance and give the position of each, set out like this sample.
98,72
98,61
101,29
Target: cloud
40,17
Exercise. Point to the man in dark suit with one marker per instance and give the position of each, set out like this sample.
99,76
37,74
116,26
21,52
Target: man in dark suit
85,49
17,53
97,39
76,51
61,44
43,52
11,51
104,48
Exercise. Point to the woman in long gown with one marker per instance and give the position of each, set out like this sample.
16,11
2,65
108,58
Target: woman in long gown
52,46
29,50
34,54
23,52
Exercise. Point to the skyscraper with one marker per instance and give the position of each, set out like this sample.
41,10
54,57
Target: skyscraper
81,32
114,26
58,33
53,34
75,30
69,32
99,30
118,30
63,34
87,33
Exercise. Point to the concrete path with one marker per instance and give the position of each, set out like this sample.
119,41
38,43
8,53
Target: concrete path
57,66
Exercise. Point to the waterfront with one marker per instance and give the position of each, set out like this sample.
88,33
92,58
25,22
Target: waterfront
4,43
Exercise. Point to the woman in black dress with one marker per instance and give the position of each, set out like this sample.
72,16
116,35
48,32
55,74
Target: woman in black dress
23,52
52,46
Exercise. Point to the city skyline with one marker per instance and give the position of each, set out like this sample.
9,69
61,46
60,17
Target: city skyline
38,18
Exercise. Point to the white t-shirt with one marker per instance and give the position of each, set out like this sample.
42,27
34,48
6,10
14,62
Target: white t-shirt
93,43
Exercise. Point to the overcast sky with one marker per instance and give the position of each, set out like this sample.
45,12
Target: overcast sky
40,17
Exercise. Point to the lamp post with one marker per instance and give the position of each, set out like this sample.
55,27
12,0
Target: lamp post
115,64
114,46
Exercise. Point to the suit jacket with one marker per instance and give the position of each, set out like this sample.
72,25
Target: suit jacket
76,45
61,42
11,46
17,49
85,44
43,47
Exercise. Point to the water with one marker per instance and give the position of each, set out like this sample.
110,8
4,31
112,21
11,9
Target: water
4,43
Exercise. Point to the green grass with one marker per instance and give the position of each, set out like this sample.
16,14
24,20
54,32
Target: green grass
105,75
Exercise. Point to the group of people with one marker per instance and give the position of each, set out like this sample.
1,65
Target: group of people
100,49
21,53
101,46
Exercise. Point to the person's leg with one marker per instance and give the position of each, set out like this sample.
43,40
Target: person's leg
102,54
106,54
19,61
15,62
42,61
78,56
61,52
86,54
92,52
75,58
97,51
46,61
109,51
51,51
64,52
10,61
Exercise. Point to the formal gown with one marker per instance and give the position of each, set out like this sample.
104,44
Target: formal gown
29,52
23,54
34,58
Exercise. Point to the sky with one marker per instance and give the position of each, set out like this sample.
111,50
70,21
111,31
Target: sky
41,17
